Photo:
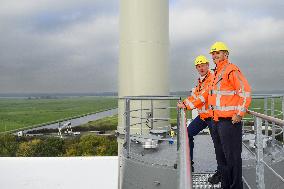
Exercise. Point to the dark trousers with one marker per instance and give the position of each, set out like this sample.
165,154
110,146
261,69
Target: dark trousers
193,129
227,139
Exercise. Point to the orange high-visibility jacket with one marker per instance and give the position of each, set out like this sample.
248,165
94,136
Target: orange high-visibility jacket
229,92
196,100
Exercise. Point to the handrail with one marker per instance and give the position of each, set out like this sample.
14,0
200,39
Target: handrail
259,145
185,181
151,97
256,96
266,117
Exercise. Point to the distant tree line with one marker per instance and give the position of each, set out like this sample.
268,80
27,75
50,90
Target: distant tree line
86,145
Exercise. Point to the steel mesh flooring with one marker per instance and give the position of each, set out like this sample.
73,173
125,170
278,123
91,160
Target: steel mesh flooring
200,180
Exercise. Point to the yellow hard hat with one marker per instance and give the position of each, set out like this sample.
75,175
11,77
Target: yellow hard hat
218,46
200,60
172,133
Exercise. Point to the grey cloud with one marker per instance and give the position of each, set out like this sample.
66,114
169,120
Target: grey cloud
72,46
79,57
252,8
253,38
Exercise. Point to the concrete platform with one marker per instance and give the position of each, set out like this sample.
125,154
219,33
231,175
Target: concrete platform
59,173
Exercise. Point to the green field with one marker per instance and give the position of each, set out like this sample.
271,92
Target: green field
21,113
259,103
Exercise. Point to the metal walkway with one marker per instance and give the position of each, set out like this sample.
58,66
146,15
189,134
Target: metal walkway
263,155
204,162
200,181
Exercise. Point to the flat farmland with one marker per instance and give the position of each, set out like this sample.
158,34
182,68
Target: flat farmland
21,113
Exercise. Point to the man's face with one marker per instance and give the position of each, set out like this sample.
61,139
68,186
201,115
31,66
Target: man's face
202,69
219,56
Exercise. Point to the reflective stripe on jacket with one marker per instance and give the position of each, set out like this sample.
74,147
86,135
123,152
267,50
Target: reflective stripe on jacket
197,100
229,92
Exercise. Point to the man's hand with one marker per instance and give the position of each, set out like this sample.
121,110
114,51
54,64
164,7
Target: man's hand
236,118
181,105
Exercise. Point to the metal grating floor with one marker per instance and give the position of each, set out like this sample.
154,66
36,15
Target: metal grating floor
200,181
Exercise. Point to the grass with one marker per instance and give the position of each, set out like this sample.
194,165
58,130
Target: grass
21,113
259,103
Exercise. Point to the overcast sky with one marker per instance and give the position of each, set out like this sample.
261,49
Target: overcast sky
72,46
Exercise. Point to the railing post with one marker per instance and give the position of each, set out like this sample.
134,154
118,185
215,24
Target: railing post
283,119
265,112
259,155
127,126
141,132
178,128
273,124
185,181
283,106
152,112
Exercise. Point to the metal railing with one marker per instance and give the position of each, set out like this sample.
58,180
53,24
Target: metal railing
185,180
271,129
185,176
183,158
258,117
151,118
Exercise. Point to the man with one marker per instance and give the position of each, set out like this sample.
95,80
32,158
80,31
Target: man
228,99
196,100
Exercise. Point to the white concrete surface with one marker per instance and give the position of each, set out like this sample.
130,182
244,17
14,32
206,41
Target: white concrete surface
59,173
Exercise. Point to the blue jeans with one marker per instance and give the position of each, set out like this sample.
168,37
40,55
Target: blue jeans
193,129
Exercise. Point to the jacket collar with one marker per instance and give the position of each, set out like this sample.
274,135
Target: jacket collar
201,79
221,64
